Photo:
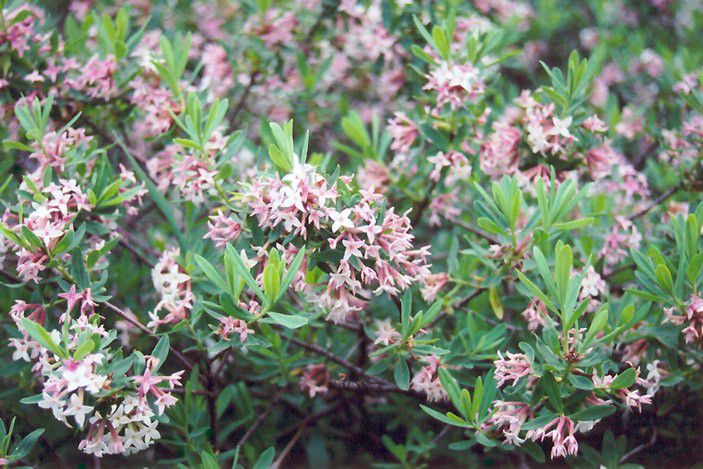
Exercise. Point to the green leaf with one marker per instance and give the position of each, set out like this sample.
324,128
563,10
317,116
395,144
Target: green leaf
38,333
292,271
160,351
83,350
534,289
440,41
664,278
272,276
581,382
243,272
562,270
695,267
553,392
401,373
266,458
574,224
455,421
290,321
31,238
599,322
595,412
624,379
211,273
208,460
406,306
25,446
496,305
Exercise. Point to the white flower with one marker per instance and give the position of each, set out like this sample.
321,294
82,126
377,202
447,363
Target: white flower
561,127
341,219
77,409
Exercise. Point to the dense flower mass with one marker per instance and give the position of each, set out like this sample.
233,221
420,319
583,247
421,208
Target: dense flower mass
351,233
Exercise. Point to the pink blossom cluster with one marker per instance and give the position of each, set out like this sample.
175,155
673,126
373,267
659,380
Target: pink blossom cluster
96,78
623,237
386,334
276,28
377,254
156,102
535,125
593,287
230,325
300,200
458,164
21,32
404,132
50,219
455,84
51,150
513,367
630,397
508,418
426,381
536,315
222,229
315,379
561,432
218,78
692,318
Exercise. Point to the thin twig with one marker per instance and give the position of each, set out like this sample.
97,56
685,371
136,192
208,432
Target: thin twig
245,94
459,304
476,231
374,388
329,355
129,318
641,447
659,200
277,463
262,417
311,418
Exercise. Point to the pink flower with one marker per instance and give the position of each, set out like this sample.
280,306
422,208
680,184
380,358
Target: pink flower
601,160
515,367
458,163
693,317
386,333
426,381
173,284
509,417
96,78
630,124
222,229
315,379
403,131
218,79
444,205
535,315
594,124
624,235
455,84
499,153
432,285
562,436
229,325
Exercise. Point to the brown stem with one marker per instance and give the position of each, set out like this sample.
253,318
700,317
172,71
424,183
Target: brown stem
476,231
262,417
659,200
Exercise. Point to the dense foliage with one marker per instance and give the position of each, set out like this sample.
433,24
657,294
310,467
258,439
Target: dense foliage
325,232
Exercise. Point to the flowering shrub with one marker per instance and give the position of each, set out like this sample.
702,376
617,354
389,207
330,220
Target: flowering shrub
351,232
